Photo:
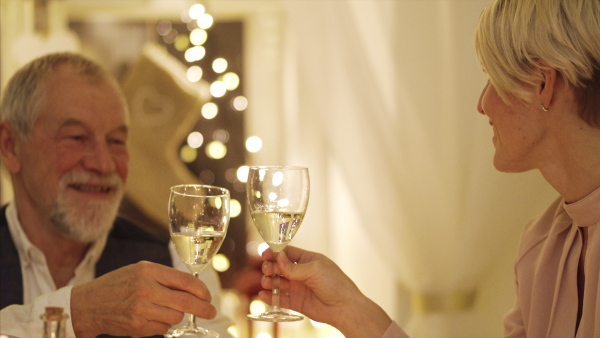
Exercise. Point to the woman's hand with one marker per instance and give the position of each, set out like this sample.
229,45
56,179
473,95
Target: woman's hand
315,286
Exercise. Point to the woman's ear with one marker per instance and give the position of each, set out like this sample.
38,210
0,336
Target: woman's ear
546,88
8,147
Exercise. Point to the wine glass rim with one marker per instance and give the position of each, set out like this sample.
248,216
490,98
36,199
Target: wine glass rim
292,167
224,191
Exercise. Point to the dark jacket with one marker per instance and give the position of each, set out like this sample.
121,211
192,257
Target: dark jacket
126,244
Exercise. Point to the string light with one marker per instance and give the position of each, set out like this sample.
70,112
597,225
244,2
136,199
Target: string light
221,263
216,150
235,208
205,21
194,73
231,80
198,36
195,139
219,65
218,80
195,53
239,103
242,173
196,11
209,110
218,89
253,144
188,154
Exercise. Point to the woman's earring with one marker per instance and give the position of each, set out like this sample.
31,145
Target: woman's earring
543,108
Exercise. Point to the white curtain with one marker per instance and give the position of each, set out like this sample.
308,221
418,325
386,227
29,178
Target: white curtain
381,103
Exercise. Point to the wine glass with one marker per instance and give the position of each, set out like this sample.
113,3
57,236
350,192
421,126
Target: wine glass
198,221
277,198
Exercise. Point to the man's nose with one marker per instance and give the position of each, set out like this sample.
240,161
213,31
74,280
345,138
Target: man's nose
99,158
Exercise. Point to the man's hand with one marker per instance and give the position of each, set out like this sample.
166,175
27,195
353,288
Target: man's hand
138,300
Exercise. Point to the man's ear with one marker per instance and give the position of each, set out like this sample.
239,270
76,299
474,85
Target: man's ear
547,85
8,147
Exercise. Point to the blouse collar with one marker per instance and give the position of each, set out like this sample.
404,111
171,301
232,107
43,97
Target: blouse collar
586,211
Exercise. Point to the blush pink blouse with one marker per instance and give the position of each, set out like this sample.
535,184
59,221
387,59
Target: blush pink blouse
546,274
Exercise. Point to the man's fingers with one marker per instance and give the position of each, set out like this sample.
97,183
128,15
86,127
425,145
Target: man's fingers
185,302
178,290
178,280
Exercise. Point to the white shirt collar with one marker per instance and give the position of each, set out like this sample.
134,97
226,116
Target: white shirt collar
29,253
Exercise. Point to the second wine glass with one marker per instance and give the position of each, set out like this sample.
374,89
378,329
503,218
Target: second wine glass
277,198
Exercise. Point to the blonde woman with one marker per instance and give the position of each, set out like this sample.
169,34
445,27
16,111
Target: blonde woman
543,103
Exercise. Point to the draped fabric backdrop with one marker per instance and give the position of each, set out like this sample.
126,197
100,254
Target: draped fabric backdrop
380,102
378,98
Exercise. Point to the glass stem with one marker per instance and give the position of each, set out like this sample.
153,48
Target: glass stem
191,317
275,291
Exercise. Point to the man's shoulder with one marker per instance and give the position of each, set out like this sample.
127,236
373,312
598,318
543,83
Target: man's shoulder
3,221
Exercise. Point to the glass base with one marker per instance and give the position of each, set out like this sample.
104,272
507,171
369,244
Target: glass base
276,316
190,332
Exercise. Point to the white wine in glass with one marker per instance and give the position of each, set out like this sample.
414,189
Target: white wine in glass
198,221
277,199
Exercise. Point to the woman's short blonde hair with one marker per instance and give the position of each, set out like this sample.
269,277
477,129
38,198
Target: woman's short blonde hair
515,38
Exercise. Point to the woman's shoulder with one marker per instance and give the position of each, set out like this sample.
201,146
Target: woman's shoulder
538,229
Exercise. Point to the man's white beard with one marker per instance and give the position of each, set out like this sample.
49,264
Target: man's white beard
81,220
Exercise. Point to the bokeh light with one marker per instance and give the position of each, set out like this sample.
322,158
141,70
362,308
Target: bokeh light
171,36
194,53
181,43
240,103
207,177
218,89
264,335
253,144
163,27
219,65
221,263
198,36
232,330
209,110
196,11
235,208
231,175
194,73
257,306
262,247
195,139
231,80
221,135
188,154
205,21
216,150
185,16
242,173
252,248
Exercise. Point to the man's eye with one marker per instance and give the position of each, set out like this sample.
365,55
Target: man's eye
76,137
